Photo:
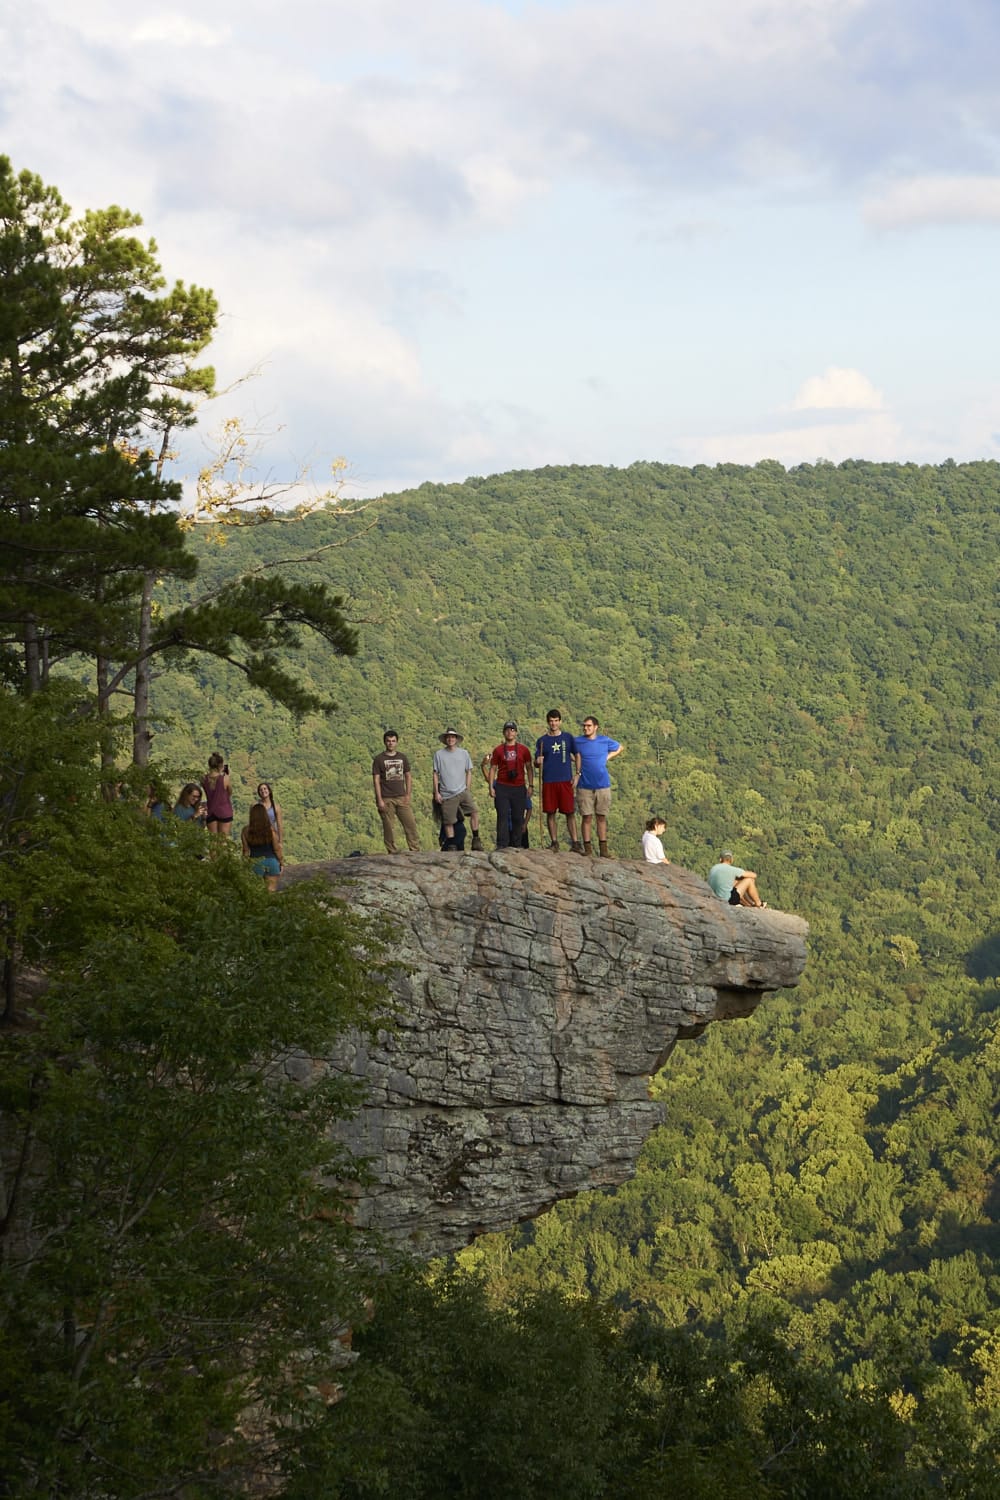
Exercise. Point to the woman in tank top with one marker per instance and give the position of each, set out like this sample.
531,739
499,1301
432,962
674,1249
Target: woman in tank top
218,802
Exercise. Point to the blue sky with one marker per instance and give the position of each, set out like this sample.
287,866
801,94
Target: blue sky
464,237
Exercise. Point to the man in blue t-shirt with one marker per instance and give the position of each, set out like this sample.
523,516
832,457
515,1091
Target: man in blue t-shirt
556,758
593,784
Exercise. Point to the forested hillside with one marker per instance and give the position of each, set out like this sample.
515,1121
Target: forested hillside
803,666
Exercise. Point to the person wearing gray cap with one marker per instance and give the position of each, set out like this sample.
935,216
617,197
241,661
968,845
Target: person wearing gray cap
511,778
733,885
452,781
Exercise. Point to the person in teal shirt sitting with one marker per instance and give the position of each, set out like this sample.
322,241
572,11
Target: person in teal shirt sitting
733,885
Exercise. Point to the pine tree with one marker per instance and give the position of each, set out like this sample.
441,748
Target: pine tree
98,372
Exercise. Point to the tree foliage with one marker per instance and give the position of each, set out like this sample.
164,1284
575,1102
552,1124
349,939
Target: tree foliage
177,1257
94,356
455,1394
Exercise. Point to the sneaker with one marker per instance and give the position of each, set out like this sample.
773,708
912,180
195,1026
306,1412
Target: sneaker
554,847
477,842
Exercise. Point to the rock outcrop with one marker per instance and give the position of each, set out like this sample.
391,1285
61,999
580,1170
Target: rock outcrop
540,992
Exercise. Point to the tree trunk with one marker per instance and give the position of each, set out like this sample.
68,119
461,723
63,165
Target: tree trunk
32,657
110,775
142,737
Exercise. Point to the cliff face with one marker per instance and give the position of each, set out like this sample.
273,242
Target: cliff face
541,991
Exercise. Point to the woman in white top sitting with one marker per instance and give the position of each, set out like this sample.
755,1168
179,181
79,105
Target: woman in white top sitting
652,848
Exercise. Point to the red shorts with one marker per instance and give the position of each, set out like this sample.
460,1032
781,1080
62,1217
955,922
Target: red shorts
557,796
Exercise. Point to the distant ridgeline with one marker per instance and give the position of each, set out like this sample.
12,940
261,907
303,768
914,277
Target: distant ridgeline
804,667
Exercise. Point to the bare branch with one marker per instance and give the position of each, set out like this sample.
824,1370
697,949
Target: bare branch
231,491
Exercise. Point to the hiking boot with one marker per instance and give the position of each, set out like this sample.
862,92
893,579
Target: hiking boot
477,842
450,847
576,847
602,844
554,847
587,847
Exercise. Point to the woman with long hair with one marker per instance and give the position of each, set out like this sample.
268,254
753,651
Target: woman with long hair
218,802
262,846
265,796
188,805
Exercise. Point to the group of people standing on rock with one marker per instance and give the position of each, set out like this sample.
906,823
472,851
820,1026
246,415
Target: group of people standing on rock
209,804
575,783
572,771
263,835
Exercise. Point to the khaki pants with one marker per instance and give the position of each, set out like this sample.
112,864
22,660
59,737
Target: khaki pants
391,809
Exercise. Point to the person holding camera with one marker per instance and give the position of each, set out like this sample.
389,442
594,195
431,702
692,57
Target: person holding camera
511,781
218,801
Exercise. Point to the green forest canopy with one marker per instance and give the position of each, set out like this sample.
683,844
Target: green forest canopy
802,665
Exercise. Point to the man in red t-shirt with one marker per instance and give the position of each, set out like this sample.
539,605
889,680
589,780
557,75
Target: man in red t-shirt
512,781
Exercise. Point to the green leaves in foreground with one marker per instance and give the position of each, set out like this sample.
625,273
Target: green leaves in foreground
456,1395
178,1259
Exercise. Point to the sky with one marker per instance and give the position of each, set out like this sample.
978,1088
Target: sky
460,237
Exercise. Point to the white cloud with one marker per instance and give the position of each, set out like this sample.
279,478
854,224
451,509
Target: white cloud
857,426
878,437
935,200
360,184
837,389
179,31
463,111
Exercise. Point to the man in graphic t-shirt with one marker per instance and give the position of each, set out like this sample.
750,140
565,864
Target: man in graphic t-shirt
556,759
393,783
511,780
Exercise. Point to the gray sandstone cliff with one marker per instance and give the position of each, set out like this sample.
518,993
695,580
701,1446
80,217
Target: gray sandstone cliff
542,991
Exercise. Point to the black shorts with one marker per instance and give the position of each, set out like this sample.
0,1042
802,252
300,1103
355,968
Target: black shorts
734,897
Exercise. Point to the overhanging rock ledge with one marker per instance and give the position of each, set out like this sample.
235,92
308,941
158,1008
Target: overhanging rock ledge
541,991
